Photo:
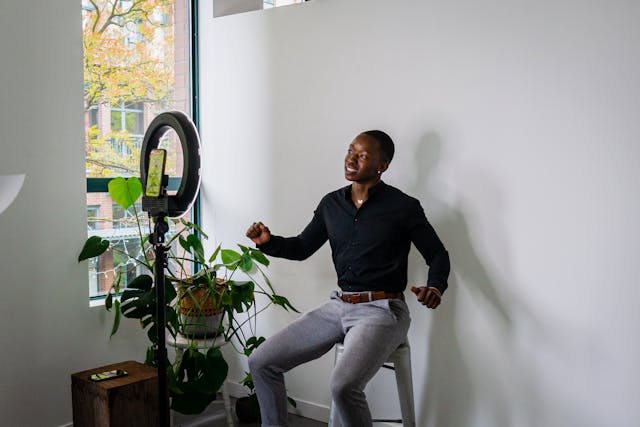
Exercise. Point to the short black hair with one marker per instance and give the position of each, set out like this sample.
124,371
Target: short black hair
387,148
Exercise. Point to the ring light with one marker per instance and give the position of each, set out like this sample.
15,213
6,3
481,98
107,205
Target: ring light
173,206
159,205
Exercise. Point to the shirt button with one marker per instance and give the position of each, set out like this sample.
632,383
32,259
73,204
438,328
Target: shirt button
355,220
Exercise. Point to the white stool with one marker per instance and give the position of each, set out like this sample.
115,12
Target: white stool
401,360
180,343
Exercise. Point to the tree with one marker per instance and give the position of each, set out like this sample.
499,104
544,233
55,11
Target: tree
128,60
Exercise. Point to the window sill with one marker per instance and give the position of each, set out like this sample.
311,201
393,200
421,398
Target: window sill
99,301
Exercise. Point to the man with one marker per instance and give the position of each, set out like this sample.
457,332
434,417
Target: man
370,226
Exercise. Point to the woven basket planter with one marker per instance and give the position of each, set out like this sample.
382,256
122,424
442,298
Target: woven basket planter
199,315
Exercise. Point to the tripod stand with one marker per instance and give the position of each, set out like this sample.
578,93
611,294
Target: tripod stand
157,240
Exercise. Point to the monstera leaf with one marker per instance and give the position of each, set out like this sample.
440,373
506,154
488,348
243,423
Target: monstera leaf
197,379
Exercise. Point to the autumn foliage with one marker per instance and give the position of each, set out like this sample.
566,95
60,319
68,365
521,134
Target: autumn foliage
128,60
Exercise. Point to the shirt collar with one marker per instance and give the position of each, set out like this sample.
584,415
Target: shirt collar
346,191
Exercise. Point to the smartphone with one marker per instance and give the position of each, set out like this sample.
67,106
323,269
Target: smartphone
102,376
157,159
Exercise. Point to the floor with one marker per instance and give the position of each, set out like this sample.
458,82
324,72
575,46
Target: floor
215,416
294,421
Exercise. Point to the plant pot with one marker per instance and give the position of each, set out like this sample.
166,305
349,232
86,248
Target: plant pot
200,316
200,326
248,409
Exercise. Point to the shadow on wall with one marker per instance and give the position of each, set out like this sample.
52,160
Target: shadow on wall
471,381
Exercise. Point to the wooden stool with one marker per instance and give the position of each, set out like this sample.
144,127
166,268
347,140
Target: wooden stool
129,401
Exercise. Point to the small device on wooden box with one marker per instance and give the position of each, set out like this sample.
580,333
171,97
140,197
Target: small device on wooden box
107,375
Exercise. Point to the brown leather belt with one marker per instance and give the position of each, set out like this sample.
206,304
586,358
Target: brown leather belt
356,298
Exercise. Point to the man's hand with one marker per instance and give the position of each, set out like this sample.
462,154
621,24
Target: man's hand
259,233
428,296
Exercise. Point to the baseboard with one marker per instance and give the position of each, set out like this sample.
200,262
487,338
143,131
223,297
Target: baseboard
303,408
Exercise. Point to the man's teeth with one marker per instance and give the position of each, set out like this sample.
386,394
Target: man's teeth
351,169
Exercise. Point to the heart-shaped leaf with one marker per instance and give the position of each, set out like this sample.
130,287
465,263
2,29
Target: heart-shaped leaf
259,257
93,247
125,192
198,250
230,257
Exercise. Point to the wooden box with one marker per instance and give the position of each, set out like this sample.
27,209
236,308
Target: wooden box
129,401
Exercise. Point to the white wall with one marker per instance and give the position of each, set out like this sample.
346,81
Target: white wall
516,124
48,330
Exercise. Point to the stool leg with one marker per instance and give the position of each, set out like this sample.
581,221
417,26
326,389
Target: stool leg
405,389
227,404
334,419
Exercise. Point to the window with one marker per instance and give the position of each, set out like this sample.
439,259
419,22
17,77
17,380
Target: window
93,217
137,64
128,118
125,220
268,4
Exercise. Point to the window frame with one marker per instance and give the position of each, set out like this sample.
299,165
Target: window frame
100,185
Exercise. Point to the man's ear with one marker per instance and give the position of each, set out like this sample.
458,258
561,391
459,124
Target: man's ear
383,167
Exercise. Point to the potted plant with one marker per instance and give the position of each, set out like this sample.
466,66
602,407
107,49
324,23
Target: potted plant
247,407
203,299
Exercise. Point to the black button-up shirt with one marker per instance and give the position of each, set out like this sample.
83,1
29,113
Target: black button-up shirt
370,245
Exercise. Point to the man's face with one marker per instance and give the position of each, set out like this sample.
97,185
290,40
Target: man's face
363,160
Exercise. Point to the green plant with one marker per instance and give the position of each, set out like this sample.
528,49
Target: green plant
195,378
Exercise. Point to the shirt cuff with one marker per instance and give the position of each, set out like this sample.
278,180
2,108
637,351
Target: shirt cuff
439,286
270,246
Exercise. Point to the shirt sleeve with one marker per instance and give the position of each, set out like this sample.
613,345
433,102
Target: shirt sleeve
301,246
430,246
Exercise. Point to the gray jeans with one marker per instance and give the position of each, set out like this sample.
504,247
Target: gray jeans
370,331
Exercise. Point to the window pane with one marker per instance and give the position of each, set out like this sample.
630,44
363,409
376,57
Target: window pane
126,256
116,120
136,65
134,123
93,217
93,116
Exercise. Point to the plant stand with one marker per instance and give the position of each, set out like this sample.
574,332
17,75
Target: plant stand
180,343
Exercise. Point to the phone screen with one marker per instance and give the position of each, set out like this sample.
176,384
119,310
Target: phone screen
157,159
116,373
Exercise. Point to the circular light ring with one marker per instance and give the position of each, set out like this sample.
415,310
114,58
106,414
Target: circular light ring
188,135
